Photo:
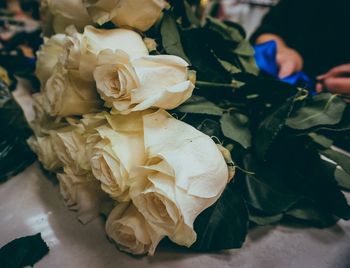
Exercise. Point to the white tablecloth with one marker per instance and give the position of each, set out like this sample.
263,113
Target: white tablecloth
30,203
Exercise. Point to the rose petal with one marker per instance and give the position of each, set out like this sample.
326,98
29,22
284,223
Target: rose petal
194,158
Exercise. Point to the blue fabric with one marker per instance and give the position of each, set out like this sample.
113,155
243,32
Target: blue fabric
265,56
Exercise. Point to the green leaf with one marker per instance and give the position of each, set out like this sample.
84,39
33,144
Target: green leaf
199,105
265,220
211,128
171,39
190,15
269,90
342,178
264,187
321,140
338,156
270,129
235,126
244,48
308,212
229,66
196,44
322,109
224,225
266,197
227,31
249,65
343,125
307,174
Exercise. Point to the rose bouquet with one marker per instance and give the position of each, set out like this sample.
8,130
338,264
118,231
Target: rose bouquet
107,78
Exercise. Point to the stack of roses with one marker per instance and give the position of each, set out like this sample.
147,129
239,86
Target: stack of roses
101,125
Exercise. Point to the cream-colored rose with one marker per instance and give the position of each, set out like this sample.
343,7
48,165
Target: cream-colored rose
78,52
74,143
129,230
163,82
59,14
61,49
67,94
150,81
81,193
69,144
95,40
119,150
141,14
43,148
115,76
70,58
43,123
47,56
184,175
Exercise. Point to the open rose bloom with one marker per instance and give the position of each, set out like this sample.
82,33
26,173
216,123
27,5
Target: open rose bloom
101,124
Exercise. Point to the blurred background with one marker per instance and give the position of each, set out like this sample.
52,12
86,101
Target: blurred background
248,13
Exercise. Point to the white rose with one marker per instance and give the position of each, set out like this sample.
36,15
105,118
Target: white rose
163,82
150,81
70,58
67,94
43,148
81,193
95,40
62,13
141,14
47,56
74,143
118,151
69,144
115,76
129,230
185,174
60,48
43,123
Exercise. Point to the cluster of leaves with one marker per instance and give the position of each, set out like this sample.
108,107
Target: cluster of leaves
15,154
282,140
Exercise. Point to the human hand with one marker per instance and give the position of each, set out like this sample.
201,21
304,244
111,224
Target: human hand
336,80
288,60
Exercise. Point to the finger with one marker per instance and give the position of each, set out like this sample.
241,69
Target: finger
319,87
286,69
336,71
322,76
338,85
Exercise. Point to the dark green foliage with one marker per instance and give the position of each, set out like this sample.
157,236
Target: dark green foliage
224,225
278,135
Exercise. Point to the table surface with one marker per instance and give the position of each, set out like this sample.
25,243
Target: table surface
30,203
